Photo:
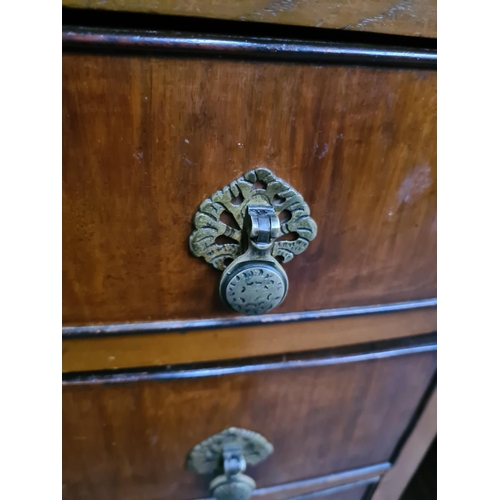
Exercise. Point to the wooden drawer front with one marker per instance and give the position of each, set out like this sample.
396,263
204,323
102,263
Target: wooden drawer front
147,139
127,437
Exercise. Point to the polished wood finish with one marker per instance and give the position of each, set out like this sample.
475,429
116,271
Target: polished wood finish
128,439
415,18
146,139
320,484
96,353
395,481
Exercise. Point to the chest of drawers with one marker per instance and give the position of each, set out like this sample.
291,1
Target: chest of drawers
340,377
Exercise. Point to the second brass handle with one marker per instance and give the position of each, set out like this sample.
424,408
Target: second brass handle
228,453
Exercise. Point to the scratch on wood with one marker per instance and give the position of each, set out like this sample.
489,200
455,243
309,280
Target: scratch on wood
416,183
391,13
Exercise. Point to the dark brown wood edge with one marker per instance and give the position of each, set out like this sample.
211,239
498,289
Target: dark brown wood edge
416,417
370,490
394,482
176,374
183,43
321,484
239,321
282,492
423,484
336,489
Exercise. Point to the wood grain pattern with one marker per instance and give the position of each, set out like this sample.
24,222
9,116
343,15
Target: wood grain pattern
395,481
399,17
104,353
147,139
292,490
130,440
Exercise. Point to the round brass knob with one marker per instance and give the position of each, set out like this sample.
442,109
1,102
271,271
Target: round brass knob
253,287
239,487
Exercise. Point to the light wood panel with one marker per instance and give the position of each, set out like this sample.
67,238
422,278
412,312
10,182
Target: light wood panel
415,18
129,351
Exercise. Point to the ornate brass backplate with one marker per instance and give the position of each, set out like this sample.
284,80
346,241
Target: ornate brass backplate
256,187
263,210
205,457
228,452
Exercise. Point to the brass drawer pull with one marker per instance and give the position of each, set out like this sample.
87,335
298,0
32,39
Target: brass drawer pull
229,452
242,230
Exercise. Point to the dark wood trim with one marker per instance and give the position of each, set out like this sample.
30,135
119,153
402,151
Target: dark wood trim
412,425
337,489
394,482
182,43
176,374
423,484
239,321
321,484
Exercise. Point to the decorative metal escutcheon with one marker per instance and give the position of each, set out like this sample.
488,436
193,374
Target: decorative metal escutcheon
228,454
244,230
